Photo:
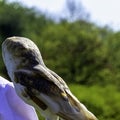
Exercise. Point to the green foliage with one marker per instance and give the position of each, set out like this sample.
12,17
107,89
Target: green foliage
80,52
81,46
102,101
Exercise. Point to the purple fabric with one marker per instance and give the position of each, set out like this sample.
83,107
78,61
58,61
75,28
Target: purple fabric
11,106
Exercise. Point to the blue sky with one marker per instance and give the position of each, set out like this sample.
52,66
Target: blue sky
102,12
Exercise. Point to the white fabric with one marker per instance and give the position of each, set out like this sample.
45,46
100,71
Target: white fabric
11,106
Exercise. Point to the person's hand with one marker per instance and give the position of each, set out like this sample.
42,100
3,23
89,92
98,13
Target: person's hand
11,106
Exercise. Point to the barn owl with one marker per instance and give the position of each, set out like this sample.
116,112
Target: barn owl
39,86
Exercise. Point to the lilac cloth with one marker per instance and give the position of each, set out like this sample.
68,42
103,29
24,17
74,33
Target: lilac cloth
11,106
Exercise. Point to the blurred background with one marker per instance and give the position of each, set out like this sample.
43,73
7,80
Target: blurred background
79,40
